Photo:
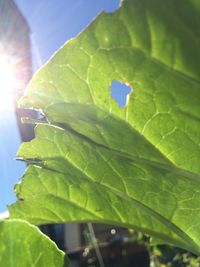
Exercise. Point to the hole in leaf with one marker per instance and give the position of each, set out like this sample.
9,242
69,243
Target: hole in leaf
120,92
111,6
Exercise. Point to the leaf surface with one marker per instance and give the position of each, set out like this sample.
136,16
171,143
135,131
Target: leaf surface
136,166
22,244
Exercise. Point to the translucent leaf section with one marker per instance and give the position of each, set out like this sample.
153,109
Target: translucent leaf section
135,166
22,244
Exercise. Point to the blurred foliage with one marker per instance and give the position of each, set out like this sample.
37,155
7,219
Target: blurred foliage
165,255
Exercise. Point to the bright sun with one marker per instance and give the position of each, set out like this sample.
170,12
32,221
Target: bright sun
7,83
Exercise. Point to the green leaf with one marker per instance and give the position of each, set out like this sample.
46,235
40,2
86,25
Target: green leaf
136,166
22,244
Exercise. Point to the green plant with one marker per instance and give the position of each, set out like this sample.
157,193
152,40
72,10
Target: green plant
136,166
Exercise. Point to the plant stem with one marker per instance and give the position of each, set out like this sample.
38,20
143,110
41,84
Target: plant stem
95,244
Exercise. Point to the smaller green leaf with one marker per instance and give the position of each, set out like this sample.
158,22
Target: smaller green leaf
23,245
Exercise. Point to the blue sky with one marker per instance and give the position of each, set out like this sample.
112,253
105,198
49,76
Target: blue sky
52,23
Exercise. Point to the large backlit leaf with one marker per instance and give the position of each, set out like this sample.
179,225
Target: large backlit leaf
136,166
22,244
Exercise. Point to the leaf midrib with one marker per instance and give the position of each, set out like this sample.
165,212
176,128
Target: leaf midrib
171,167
